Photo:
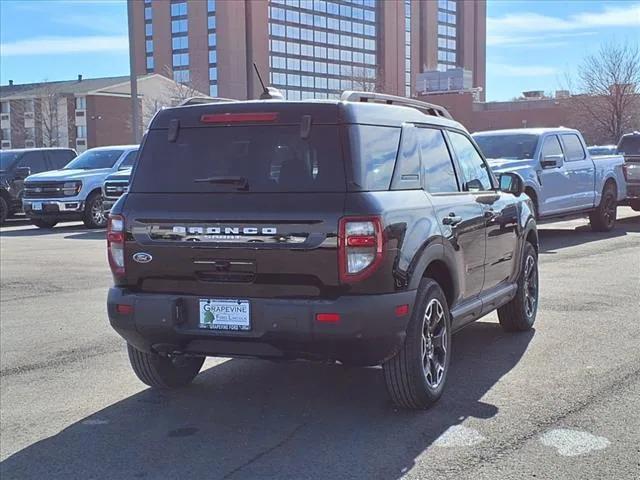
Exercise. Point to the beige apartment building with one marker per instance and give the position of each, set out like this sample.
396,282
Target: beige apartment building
309,48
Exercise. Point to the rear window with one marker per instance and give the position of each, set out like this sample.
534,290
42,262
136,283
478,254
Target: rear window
252,158
521,146
629,145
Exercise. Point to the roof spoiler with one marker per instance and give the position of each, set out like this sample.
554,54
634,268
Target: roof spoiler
202,100
371,97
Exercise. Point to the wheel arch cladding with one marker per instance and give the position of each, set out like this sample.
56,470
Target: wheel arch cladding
438,271
532,238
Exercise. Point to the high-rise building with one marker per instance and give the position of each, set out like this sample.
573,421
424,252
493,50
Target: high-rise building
308,48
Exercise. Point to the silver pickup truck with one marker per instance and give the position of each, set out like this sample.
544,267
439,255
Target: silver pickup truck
561,177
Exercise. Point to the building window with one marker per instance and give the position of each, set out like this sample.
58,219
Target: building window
181,76
212,42
81,103
148,30
179,9
81,131
407,47
148,45
299,32
147,13
179,26
4,107
213,90
447,32
180,43
180,60
150,64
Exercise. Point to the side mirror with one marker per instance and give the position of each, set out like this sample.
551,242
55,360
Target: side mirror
552,161
511,183
21,173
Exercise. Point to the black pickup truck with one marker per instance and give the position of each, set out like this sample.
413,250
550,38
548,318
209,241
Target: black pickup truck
364,231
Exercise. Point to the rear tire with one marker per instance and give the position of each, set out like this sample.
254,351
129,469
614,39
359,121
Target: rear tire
163,372
519,314
4,210
635,205
603,218
46,224
416,375
94,215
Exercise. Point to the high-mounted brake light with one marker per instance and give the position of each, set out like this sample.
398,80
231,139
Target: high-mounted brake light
361,245
115,244
239,117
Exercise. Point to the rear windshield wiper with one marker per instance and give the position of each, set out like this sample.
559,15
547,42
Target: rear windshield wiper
240,182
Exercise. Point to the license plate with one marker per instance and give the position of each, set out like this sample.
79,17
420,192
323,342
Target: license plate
225,314
36,206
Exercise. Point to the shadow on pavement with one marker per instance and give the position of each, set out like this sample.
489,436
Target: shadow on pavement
552,239
38,232
255,419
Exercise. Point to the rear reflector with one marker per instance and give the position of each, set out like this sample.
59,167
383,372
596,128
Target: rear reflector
123,309
239,117
328,317
402,310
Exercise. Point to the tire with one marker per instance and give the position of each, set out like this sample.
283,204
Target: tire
4,210
603,218
46,224
94,214
519,314
635,205
163,372
410,383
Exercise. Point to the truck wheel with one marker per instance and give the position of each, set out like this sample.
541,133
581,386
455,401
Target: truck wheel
94,215
163,372
520,313
416,375
635,205
4,210
603,218
41,223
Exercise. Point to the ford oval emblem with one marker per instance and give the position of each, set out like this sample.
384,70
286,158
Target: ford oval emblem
142,257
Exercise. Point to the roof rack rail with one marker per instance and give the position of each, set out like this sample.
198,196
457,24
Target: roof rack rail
424,107
203,100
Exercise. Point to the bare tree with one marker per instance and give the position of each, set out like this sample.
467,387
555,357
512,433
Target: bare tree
366,81
46,113
607,90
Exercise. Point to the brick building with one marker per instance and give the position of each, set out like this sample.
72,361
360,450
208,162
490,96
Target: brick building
308,48
81,113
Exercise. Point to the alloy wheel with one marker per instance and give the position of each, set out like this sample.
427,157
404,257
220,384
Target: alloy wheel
97,212
530,286
434,343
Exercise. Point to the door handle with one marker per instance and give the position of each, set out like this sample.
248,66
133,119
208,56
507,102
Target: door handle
452,219
490,213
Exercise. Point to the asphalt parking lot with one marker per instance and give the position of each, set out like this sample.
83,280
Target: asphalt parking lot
560,402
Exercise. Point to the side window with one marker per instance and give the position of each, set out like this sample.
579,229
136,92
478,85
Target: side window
407,172
573,147
475,173
373,155
35,161
59,158
439,174
129,160
551,146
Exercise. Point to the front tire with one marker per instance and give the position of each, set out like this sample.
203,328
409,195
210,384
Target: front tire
4,211
519,314
94,214
45,224
603,218
163,372
416,375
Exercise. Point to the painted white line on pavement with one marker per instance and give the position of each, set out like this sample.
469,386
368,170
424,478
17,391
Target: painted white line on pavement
571,443
459,436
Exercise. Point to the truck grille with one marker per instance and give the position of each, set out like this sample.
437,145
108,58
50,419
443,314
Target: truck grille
115,189
43,190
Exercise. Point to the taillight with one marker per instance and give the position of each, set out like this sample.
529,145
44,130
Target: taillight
360,247
115,244
248,117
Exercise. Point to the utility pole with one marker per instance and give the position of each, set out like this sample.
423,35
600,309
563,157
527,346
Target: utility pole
135,106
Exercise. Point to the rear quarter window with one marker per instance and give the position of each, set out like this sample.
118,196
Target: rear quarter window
373,156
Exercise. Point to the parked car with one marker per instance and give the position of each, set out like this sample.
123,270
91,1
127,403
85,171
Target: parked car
561,177
114,187
18,164
75,191
326,230
629,147
602,150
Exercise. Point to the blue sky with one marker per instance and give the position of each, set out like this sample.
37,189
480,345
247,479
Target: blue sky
531,45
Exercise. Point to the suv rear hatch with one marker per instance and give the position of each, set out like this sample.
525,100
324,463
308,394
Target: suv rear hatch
230,202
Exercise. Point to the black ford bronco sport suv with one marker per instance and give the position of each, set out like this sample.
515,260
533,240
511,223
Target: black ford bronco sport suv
365,231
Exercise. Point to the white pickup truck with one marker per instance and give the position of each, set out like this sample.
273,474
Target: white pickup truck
560,176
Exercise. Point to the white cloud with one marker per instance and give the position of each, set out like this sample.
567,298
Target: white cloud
521,27
521,70
65,45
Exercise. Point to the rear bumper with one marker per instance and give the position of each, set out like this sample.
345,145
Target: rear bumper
368,333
